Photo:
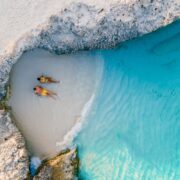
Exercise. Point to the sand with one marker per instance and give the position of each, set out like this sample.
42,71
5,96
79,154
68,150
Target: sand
45,121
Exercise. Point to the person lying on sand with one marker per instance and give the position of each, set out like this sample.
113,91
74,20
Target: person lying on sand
40,91
45,79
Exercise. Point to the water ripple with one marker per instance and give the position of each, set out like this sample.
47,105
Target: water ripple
134,128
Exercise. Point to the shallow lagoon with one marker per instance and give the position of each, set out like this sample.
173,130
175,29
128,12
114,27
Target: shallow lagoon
133,129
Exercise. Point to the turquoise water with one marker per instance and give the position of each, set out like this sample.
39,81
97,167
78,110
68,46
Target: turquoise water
133,129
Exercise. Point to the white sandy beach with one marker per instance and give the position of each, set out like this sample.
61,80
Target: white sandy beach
44,121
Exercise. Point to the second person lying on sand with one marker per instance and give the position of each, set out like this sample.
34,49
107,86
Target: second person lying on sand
41,91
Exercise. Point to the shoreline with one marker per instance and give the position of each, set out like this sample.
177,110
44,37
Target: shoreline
72,134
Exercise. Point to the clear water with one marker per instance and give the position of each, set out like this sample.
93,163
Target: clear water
133,129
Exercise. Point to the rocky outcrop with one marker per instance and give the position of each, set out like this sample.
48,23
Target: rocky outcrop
77,27
62,167
14,162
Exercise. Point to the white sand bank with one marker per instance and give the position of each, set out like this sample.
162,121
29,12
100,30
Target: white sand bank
44,121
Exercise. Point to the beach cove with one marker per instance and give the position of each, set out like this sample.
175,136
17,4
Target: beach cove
55,127
70,27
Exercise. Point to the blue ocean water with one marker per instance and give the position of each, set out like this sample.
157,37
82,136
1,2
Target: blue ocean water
133,129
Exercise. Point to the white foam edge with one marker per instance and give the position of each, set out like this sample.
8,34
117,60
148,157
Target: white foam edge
72,134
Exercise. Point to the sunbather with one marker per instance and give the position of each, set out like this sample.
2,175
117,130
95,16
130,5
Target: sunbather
45,79
41,91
